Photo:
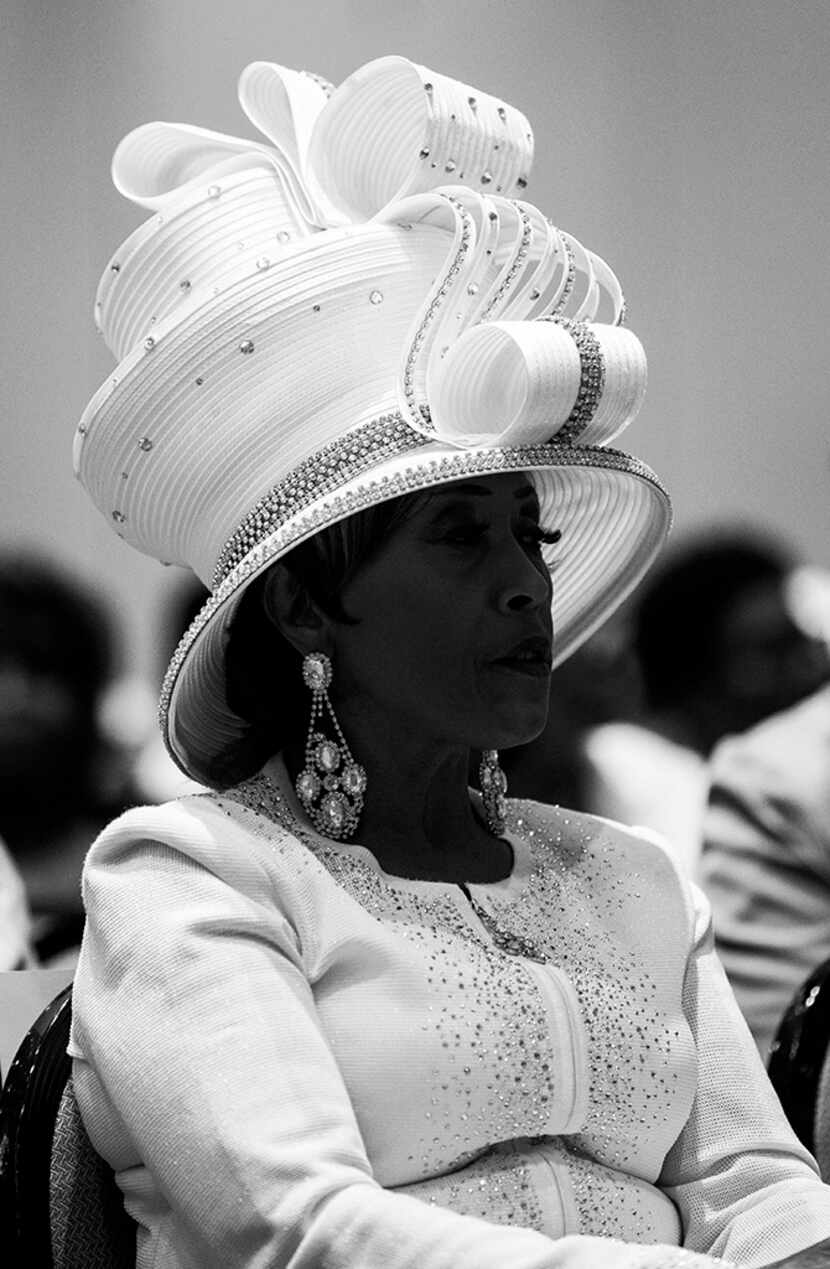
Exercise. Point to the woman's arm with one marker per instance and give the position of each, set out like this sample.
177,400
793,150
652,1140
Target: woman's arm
745,1187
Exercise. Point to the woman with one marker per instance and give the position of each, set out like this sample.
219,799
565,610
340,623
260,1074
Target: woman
341,1011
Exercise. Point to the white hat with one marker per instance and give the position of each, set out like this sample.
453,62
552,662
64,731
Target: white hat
360,308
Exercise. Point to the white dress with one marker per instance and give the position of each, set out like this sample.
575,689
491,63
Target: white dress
292,1058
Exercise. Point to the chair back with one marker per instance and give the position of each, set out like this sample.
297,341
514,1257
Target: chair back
60,1207
797,1064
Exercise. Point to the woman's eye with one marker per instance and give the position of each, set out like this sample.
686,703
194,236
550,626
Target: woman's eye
464,534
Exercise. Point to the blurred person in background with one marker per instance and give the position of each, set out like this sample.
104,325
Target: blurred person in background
721,641
766,850
61,779
720,645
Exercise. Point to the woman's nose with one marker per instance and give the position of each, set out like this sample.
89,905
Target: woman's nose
526,582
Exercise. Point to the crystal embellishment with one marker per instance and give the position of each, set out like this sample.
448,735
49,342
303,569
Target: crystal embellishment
316,671
328,756
331,784
308,786
591,382
493,790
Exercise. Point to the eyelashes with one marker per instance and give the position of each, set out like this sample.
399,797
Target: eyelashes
549,537
535,535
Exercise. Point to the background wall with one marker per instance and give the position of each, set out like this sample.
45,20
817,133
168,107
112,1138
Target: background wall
684,140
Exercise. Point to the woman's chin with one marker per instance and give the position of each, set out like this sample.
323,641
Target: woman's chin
519,725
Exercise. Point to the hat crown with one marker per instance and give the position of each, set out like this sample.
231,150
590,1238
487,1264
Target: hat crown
368,258
358,305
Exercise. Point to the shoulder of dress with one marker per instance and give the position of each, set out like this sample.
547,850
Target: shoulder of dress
553,830
206,826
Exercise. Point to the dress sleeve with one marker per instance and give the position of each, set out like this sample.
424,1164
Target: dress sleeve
196,1021
746,1189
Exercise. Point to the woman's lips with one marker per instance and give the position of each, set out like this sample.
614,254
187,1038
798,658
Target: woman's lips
530,657
526,666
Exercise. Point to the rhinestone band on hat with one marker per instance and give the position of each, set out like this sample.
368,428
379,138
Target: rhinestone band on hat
323,472
591,380
437,297
570,275
423,474
516,265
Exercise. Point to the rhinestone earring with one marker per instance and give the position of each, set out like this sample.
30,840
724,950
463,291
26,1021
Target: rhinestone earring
493,783
331,785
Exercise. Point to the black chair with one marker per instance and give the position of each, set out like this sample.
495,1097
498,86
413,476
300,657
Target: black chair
60,1207
798,1068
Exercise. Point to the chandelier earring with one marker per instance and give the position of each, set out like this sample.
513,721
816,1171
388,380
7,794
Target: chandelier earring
331,785
493,784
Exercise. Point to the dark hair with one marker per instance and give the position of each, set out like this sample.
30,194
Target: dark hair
263,671
49,622
680,614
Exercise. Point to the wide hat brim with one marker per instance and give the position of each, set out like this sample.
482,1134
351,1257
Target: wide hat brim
612,511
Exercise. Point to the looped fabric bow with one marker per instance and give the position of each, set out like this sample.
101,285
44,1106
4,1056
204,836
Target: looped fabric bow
519,340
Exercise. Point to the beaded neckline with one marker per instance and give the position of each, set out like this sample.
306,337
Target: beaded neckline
269,794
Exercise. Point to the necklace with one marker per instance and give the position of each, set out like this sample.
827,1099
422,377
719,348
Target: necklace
505,940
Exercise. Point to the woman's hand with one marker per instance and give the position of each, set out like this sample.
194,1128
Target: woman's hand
815,1257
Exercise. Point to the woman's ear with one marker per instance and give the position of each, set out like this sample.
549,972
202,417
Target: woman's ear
293,612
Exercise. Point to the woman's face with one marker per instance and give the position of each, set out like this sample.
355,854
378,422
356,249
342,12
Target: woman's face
453,634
